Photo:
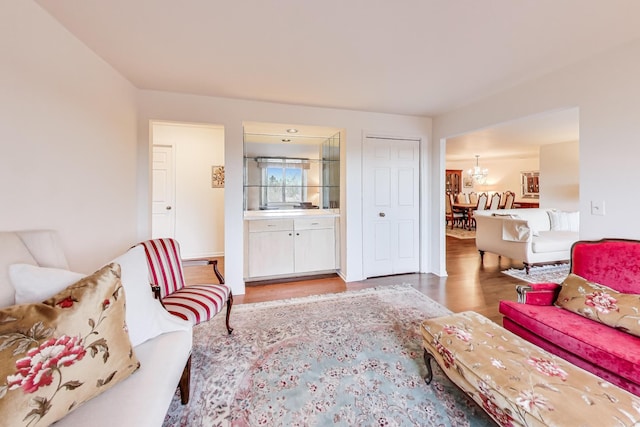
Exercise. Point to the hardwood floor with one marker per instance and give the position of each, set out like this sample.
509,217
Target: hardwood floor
469,286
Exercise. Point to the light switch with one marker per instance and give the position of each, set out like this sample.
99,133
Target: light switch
597,207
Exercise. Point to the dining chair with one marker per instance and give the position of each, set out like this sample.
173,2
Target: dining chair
511,197
450,214
503,199
461,198
495,201
196,303
483,199
473,198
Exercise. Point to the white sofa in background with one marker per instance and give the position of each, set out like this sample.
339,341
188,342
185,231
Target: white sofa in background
533,236
161,342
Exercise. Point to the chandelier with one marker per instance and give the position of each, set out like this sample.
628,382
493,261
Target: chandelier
478,174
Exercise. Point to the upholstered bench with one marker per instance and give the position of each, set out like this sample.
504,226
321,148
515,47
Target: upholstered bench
518,383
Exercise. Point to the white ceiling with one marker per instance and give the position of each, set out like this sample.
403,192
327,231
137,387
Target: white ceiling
418,57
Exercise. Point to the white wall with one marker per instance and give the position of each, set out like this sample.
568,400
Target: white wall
231,114
199,208
606,89
560,176
67,138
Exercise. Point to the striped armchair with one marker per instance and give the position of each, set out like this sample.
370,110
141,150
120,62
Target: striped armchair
195,303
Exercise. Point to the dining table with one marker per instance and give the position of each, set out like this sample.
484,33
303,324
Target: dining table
467,211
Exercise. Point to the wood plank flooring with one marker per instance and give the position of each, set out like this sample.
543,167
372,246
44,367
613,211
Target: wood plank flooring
469,286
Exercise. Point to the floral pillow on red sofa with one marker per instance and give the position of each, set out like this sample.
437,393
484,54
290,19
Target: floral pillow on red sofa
64,351
600,303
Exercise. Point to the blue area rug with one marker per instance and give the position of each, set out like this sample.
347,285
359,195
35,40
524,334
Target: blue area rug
347,359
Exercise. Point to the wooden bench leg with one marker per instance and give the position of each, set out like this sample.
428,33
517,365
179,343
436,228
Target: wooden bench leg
185,383
427,361
229,304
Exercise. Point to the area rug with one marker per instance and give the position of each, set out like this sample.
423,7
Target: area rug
347,359
461,233
555,273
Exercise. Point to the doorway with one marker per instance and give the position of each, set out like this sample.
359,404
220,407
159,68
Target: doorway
547,143
188,162
391,206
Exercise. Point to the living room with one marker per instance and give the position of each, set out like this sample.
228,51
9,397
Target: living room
76,142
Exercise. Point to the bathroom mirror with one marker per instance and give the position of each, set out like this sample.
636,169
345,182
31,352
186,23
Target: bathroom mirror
291,167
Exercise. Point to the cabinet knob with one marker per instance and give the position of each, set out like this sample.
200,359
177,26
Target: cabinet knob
382,214
168,208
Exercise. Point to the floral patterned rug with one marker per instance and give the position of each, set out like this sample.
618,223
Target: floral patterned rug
460,233
347,359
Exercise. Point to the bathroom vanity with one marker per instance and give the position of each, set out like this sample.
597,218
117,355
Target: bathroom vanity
289,243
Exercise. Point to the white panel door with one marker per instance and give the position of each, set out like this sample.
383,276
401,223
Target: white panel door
163,190
391,209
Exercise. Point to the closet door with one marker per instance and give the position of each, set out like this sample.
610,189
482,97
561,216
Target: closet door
391,206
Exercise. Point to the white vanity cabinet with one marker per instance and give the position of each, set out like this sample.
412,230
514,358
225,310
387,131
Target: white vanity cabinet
271,247
315,246
280,247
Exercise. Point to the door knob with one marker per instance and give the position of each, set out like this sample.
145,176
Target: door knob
168,208
382,214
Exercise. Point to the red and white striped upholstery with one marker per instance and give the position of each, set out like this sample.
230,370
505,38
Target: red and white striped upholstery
165,265
196,303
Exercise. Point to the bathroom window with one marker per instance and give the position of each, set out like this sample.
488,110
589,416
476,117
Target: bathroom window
284,184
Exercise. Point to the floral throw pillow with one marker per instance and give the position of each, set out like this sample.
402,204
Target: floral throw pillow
600,303
64,351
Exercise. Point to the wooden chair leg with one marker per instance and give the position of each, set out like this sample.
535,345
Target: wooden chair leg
185,383
229,304
427,361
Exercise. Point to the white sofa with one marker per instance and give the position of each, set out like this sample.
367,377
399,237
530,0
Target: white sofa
161,342
533,236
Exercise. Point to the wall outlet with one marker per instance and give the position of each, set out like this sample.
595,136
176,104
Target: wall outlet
597,207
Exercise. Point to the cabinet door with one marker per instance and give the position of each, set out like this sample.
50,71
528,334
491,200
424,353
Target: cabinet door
270,253
453,181
315,250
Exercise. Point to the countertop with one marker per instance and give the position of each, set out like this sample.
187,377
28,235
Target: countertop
290,213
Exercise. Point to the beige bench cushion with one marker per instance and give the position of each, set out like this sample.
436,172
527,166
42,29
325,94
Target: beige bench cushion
518,383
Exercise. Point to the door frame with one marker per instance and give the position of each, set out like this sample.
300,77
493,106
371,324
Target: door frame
422,197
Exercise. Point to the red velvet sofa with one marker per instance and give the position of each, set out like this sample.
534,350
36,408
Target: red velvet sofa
603,350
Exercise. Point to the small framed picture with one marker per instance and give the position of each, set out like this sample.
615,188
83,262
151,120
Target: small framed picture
467,182
217,176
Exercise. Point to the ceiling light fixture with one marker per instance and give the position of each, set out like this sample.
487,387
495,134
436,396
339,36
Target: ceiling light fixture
292,130
478,174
